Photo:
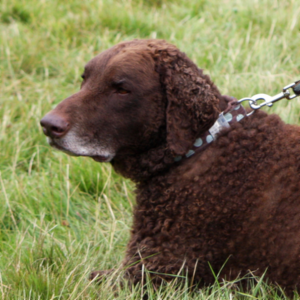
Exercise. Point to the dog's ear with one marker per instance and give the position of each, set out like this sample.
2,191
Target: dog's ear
192,99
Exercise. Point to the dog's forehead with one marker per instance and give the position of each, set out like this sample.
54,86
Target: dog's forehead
100,61
131,54
127,58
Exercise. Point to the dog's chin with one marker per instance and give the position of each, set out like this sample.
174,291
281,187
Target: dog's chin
98,158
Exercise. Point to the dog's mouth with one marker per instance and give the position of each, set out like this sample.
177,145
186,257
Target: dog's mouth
60,148
97,158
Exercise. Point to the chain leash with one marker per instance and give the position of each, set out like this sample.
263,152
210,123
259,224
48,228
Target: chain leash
269,100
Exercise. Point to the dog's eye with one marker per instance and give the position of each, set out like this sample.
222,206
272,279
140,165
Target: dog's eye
122,91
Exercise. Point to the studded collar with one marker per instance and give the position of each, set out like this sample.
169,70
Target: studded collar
234,113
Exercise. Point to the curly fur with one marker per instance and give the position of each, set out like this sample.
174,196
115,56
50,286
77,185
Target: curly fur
237,200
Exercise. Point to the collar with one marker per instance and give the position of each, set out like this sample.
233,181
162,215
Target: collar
235,114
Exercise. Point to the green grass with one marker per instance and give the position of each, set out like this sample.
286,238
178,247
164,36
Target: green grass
61,217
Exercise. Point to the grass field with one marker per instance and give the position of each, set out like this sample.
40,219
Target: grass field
61,217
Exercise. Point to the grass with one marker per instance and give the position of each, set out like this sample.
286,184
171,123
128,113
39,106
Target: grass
61,217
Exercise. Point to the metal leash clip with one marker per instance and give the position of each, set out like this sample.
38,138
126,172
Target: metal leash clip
269,100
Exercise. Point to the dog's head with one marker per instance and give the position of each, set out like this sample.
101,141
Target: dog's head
134,97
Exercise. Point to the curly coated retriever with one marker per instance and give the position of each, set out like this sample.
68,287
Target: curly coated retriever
201,198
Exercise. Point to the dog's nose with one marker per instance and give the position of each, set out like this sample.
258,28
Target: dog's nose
54,125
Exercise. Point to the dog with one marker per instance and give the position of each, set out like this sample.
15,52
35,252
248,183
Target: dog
202,198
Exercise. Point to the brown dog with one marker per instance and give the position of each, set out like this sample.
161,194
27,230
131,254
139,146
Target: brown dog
144,107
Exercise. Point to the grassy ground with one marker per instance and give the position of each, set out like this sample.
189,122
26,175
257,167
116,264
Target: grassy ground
61,217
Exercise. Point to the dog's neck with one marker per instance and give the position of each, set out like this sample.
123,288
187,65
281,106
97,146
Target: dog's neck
143,166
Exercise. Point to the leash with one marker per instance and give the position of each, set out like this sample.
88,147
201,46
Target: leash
236,112
269,100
